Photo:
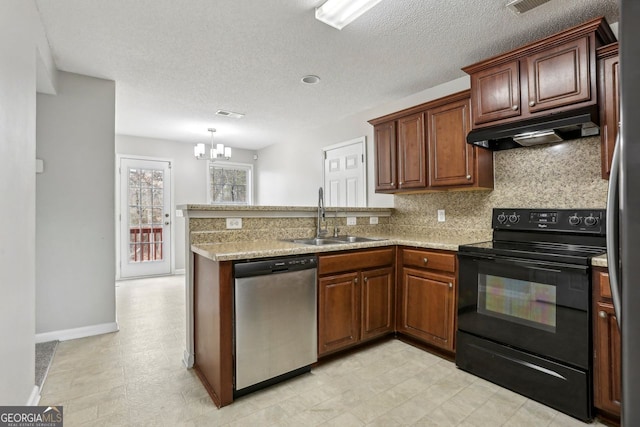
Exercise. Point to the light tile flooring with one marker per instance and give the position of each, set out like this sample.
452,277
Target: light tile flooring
135,377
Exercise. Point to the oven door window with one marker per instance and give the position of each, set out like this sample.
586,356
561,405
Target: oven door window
520,301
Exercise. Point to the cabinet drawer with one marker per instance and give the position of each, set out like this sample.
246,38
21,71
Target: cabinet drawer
605,287
352,261
429,259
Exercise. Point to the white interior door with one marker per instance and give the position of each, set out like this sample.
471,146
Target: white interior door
345,181
145,217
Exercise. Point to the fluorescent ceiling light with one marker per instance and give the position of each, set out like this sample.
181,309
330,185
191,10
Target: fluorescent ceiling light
340,13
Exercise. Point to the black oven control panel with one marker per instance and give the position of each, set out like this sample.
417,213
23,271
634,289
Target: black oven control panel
591,221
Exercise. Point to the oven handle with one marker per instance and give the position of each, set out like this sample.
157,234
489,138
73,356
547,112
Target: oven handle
536,265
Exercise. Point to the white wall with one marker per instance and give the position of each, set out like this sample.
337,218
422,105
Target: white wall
289,173
188,173
20,35
75,255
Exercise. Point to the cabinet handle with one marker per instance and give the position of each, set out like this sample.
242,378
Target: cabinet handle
514,107
355,280
468,177
425,260
532,103
602,314
450,285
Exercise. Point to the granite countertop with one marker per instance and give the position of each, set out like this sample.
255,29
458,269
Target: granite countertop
270,248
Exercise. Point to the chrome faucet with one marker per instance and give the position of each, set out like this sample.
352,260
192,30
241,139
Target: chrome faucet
321,215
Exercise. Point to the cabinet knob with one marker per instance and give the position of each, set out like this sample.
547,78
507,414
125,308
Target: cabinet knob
450,285
602,314
468,177
514,107
392,184
425,260
355,280
366,279
532,103
401,183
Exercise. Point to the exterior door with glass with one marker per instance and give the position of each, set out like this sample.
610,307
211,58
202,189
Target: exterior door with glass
145,217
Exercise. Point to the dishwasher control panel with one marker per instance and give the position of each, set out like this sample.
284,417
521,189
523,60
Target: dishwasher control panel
274,266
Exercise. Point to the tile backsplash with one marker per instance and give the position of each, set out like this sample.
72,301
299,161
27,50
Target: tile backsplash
565,175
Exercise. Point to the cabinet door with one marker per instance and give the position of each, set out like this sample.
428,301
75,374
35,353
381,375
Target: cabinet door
337,312
412,171
427,307
377,302
451,159
559,76
385,152
607,393
610,109
496,93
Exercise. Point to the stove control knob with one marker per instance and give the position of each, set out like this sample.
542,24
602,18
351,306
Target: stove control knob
590,221
574,220
502,218
513,218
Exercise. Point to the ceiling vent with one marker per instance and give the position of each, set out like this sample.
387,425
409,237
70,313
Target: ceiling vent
521,6
231,114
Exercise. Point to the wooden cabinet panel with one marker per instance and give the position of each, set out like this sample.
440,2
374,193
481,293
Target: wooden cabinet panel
451,159
559,76
377,302
429,259
607,359
353,261
411,152
606,347
496,93
385,153
609,95
427,307
337,312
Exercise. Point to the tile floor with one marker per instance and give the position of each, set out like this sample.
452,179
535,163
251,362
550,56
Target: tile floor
135,377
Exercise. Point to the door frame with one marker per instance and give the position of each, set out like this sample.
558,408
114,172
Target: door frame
362,140
117,219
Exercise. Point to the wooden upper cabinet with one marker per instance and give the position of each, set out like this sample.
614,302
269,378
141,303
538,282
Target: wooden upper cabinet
496,93
548,76
560,76
451,159
384,136
411,152
609,94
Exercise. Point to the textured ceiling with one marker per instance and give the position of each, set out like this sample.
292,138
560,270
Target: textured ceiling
176,62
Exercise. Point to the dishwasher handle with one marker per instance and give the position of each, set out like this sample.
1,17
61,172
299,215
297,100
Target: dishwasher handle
274,266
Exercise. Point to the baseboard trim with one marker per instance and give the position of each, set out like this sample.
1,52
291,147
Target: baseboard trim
34,397
179,271
72,334
187,359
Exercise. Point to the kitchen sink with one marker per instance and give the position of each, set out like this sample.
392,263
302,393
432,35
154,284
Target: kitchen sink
320,241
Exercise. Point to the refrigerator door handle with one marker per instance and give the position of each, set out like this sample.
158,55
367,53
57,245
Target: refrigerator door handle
613,245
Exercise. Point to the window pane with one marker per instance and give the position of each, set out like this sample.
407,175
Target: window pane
157,215
229,184
134,179
147,178
157,197
145,216
134,196
145,197
134,216
158,179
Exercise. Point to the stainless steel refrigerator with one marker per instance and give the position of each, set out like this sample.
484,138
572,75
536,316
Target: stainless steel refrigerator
623,231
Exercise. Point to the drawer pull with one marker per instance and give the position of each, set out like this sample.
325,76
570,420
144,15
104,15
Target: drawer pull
602,314
425,260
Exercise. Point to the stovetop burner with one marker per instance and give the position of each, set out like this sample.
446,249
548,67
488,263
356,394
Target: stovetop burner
557,235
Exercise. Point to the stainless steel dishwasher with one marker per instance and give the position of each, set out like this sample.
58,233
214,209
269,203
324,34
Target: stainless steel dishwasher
275,320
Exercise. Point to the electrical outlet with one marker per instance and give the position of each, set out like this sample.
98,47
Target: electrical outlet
373,220
351,220
440,215
234,223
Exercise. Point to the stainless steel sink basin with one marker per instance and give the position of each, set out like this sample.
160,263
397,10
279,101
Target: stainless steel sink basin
319,241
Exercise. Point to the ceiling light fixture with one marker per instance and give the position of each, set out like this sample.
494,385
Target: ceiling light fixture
232,114
340,13
216,152
310,79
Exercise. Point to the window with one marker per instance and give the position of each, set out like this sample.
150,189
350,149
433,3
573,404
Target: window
230,183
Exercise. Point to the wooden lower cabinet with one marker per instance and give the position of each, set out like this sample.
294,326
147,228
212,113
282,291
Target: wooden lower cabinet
355,298
606,347
427,297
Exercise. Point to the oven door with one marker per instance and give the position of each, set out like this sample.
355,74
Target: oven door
540,307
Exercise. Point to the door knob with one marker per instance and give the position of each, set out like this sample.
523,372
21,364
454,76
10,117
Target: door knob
166,223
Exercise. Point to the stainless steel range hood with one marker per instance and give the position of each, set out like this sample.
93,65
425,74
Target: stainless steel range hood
540,130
